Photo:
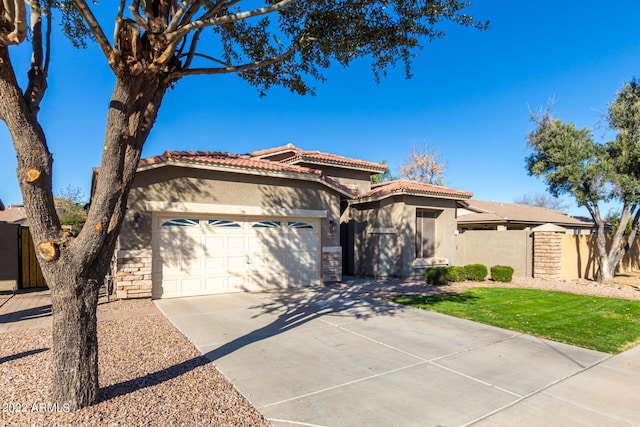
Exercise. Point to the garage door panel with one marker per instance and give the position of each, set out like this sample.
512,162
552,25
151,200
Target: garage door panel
191,285
215,264
236,263
236,282
169,287
236,242
215,284
211,255
215,243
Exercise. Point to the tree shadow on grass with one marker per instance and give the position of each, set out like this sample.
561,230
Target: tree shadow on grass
429,300
288,309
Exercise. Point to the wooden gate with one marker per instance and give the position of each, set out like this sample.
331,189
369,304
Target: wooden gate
31,275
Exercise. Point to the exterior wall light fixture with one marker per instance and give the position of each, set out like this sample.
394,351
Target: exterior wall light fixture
137,219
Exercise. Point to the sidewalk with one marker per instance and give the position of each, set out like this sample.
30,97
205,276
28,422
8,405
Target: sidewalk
32,310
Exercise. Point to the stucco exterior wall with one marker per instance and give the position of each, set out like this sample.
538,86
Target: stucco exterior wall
355,179
580,257
384,236
490,247
231,194
184,185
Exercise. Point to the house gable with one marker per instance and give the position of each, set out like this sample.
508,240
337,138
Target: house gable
353,173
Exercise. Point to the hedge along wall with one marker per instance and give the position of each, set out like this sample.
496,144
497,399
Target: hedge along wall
492,247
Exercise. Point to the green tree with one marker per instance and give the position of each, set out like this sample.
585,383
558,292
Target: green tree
382,177
424,163
69,203
571,162
149,47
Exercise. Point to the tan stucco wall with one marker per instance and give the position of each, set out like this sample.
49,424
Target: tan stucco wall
360,180
491,247
384,243
185,185
580,258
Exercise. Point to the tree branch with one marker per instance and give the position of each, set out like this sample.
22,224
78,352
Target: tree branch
96,30
225,19
37,74
192,49
117,52
17,13
135,6
229,68
222,5
177,16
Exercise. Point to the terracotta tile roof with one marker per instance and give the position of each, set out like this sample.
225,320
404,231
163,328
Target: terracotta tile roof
499,212
224,159
14,214
274,150
238,162
317,157
386,189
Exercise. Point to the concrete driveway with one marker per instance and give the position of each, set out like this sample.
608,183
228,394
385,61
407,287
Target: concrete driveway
329,357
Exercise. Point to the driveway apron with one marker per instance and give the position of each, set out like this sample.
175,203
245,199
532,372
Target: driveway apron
329,357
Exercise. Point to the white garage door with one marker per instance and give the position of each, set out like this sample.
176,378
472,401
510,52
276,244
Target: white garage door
197,255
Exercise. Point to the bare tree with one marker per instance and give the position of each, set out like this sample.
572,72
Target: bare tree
151,46
424,163
543,200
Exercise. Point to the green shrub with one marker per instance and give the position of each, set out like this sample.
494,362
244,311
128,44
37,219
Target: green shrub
501,273
436,276
456,274
476,272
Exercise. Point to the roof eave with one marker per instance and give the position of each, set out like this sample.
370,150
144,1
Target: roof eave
245,170
409,193
344,165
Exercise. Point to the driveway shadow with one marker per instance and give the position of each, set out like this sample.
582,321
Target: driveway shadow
292,308
27,314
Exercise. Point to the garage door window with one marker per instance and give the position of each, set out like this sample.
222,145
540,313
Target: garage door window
223,223
181,222
298,224
266,224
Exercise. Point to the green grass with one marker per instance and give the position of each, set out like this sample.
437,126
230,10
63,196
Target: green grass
605,324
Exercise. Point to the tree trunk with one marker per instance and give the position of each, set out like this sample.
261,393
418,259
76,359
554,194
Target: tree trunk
607,271
74,268
75,340
76,276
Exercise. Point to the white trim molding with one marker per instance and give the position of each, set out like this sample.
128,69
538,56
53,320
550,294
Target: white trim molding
210,208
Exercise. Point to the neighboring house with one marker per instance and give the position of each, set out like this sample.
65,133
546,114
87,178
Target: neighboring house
208,222
14,214
485,215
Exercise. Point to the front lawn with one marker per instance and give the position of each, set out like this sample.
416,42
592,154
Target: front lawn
605,324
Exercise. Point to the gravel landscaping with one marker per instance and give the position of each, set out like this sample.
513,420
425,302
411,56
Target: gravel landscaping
150,374
626,287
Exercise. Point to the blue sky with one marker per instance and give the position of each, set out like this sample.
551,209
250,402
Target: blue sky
470,97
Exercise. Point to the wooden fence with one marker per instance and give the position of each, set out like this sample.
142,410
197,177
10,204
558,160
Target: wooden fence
30,272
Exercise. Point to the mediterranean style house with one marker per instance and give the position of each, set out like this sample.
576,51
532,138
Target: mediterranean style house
210,222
